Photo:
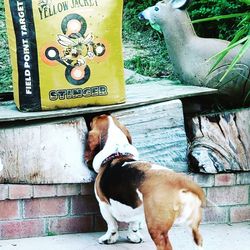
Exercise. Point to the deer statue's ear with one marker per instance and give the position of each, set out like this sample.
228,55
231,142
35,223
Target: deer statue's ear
179,4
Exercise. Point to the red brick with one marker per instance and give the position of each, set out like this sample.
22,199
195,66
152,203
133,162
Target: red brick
9,210
225,179
240,214
22,229
100,224
44,191
228,195
71,225
68,189
84,204
20,192
4,191
45,207
87,189
215,215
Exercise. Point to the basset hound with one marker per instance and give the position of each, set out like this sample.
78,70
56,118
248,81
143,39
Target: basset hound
129,189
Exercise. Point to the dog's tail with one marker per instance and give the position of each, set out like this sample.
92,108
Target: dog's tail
191,186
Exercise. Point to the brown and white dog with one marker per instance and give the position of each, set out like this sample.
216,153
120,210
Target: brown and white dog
128,189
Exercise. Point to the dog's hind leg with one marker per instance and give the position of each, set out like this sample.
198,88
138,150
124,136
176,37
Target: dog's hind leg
112,234
160,238
159,223
134,234
160,215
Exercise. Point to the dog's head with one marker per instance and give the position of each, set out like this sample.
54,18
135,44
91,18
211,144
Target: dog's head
106,137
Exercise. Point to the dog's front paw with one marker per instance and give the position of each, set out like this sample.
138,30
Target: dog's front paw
135,237
109,238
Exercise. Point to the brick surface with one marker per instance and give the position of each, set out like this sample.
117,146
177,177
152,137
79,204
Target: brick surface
45,207
87,189
101,226
204,180
20,192
21,229
44,191
99,223
68,189
243,178
4,191
240,214
71,225
9,210
228,195
84,204
215,215
225,179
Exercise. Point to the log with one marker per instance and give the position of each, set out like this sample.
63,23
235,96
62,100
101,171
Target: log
220,142
158,133
44,153
52,152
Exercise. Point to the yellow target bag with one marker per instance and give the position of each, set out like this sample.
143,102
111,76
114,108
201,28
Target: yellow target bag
65,53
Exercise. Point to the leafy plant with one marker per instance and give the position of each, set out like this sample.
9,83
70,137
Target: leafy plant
217,28
241,36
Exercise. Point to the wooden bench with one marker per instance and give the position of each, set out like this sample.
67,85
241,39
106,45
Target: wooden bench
47,147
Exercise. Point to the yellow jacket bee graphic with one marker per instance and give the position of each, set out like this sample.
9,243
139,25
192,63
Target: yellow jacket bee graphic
78,48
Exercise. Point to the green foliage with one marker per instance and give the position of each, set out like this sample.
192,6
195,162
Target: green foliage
241,37
155,62
51,234
224,29
136,31
5,67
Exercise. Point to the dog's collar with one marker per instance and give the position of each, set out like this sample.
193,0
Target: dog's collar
116,155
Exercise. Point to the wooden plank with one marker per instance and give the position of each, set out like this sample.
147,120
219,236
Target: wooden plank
44,153
220,142
158,133
137,95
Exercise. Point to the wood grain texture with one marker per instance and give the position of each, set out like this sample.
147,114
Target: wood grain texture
44,153
158,133
220,142
137,95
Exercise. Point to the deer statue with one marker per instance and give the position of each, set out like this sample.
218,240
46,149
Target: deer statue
191,55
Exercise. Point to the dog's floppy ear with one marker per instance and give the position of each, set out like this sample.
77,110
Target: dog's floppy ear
96,138
92,145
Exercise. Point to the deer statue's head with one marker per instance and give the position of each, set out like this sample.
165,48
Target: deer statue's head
158,13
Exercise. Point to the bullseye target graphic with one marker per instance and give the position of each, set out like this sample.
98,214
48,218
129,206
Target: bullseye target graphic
77,75
77,48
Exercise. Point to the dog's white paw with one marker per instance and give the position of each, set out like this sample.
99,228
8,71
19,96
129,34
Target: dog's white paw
135,237
109,238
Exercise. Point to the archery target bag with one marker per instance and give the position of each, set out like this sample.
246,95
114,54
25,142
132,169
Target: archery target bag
65,53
